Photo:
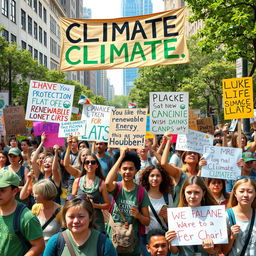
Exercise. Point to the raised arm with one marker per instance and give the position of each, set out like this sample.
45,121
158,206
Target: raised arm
55,166
35,166
27,188
66,163
111,177
171,169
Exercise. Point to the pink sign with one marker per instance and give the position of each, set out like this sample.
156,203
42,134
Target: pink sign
53,139
48,128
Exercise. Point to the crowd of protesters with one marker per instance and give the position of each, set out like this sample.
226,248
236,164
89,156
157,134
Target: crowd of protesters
74,195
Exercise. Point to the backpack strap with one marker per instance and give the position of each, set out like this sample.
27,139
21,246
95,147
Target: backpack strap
51,218
69,245
166,199
60,244
140,197
231,217
101,243
16,226
117,191
249,233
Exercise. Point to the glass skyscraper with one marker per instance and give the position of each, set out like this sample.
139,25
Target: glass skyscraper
133,8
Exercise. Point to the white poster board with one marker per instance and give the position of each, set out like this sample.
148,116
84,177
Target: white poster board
194,224
97,122
75,128
49,102
168,112
194,141
221,162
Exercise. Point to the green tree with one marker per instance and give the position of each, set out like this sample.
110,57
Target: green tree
228,24
120,101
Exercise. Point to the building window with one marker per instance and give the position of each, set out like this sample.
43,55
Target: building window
45,60
45,39
5,34
5,7
40,58
40,10
29,3
13,11
23,19
40,35
35,30
23,45
35,54
13,38
29,25
30,49
45,16
35,6
53,46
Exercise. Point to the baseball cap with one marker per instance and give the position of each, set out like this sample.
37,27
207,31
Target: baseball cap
248,156
8,178
14,151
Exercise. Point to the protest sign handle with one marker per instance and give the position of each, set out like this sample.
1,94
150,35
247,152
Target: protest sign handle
239,130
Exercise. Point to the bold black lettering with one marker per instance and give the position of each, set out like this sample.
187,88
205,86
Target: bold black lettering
153,24
166,26
86,34
68,33
138,29
115,28
105,32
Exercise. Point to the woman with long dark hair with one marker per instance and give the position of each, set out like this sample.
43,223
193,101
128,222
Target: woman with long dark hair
91,182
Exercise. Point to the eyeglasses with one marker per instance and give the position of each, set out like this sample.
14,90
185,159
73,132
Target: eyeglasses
79,196
90,162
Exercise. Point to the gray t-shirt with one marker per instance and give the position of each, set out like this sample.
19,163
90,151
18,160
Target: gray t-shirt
240,240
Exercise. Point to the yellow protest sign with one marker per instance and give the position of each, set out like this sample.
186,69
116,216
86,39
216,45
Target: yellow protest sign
238,98
146,40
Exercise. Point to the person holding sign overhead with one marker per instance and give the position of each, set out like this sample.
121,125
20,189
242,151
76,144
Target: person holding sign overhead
194,193
190,167
241,219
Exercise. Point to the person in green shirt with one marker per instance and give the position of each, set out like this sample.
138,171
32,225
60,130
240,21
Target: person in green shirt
127,200
10,243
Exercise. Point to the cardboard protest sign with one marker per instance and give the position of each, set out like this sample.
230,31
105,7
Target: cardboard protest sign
168,112
97,122
221,162
49,102
4,100
194,224
52,139
238,98
75,128
192,124
194,141
14,120
47,128
129,42
205,125
127,128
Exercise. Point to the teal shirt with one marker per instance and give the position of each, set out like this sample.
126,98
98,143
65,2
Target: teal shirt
125,200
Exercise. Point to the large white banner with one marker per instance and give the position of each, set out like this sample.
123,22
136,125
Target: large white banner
49,102
194,224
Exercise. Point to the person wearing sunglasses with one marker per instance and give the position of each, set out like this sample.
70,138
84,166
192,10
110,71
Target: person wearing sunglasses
80,237
91,182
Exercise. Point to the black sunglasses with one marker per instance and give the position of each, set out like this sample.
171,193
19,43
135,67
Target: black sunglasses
90,162
79,196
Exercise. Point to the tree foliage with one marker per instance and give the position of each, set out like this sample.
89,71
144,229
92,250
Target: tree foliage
230,24
120,101
201,78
